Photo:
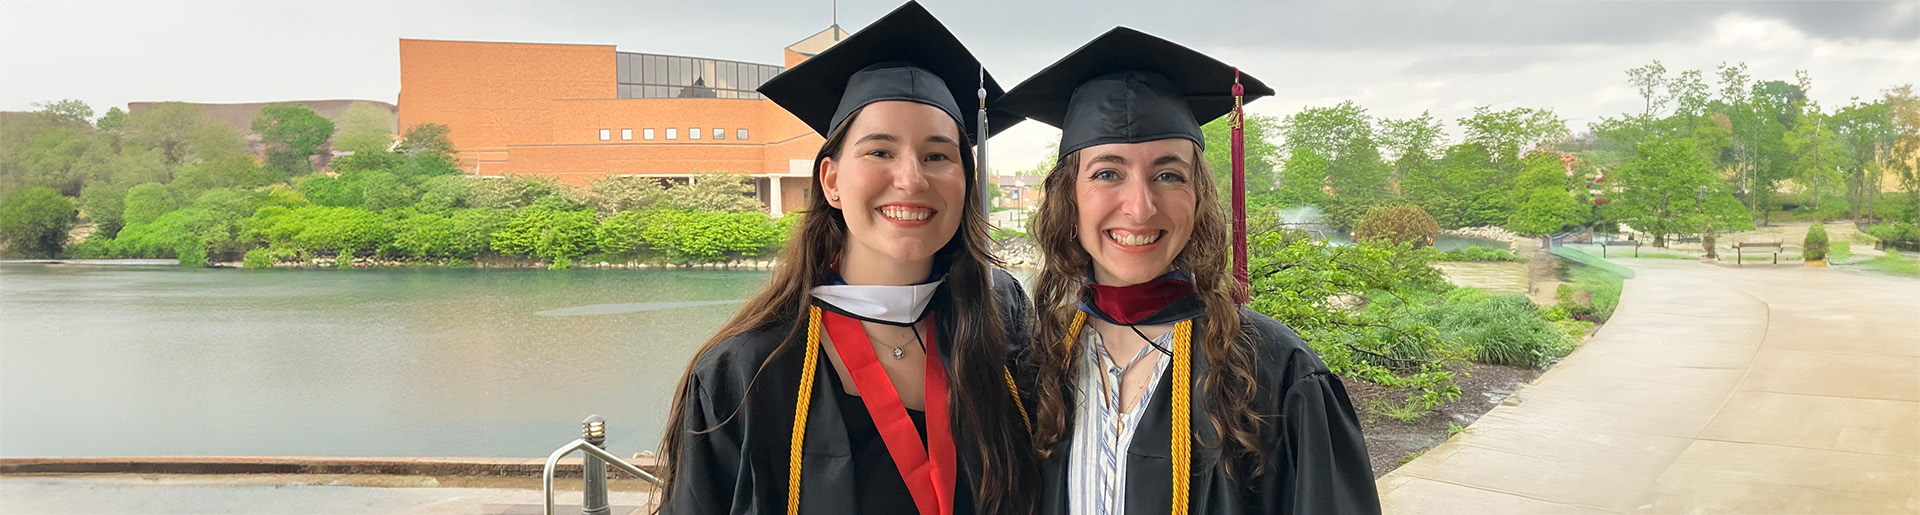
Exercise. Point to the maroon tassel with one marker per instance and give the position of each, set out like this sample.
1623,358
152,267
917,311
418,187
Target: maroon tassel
1239,119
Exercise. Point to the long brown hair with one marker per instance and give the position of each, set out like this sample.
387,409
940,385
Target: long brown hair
981,402
1228,382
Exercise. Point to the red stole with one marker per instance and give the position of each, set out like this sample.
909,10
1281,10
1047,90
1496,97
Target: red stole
927,470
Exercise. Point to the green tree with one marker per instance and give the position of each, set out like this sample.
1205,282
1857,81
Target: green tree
34,222
67,111
1543,203
146,202
1818,154
291,134
1903,108
1261,153
1344,136
427,139
1867,134
182,134
1510,133
714,191
365,128
104,205
1413,143
1669,188
626,193
1301,180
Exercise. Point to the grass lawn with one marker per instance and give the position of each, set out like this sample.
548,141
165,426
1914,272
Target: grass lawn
1893,263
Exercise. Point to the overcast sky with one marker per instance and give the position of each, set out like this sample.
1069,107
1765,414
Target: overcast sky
1396,58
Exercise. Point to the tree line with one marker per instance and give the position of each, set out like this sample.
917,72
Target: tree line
168,182
1699,157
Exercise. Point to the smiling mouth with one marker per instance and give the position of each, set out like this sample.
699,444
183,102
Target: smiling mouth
1128,239
905,214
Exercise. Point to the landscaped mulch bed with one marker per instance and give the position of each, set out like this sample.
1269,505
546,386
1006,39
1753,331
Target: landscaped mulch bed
1391,443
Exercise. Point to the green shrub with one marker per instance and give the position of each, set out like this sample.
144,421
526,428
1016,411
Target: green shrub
1478,254
1814,247
548,233
193,255
34,222
1898,235
1397,224
343,260
258,259
97,246
1502,329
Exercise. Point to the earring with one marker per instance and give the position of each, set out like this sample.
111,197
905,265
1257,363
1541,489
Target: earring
834,197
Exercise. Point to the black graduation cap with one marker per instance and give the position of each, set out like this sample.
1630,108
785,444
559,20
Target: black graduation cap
1129,87
905,55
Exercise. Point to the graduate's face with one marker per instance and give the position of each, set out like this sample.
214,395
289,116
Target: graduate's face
899,181
1136,205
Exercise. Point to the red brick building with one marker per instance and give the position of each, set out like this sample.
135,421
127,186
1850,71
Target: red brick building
581,113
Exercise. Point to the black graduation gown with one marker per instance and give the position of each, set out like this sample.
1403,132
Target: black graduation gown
1316,459
741,467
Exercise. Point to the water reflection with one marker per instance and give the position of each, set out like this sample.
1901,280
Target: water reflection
106,361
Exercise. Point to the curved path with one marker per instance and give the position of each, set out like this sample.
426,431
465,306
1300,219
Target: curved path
1712,390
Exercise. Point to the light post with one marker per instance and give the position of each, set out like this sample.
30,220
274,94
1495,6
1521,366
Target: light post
593,472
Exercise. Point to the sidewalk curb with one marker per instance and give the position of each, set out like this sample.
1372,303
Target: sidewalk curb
401,466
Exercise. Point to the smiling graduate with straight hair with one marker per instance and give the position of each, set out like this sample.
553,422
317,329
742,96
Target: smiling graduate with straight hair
869,376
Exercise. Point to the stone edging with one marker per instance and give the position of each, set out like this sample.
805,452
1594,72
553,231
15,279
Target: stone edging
402,466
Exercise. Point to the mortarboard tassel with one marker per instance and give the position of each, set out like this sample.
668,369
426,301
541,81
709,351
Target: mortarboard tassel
1239,124
980,147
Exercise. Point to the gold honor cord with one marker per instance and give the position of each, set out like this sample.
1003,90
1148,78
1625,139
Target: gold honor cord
806,400
1182,405
800,409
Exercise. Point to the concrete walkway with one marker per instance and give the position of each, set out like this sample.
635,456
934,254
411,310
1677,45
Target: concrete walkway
1769,389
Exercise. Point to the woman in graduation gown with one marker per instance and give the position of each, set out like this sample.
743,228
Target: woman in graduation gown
869,375
1155,391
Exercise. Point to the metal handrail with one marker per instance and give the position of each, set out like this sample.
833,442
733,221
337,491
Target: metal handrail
553,460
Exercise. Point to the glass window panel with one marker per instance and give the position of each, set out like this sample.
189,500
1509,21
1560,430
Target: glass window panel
674,72
693,133
740,134
626,134
646,133
732,75
719,133
606,134
673,133
626,91
620,63
649,69
686,72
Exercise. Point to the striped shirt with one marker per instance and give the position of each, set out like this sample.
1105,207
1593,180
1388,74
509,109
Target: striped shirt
1097,467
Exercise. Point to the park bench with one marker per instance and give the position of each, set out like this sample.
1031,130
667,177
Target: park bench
1610,242
1739,247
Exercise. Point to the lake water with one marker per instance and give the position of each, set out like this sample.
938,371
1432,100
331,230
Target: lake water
162,360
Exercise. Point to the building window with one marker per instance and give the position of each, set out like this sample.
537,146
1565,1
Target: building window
719,133
673,133
693,133
626,134
740,134
646,134
606,134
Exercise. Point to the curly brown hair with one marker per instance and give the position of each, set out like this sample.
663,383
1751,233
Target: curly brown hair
1228,382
